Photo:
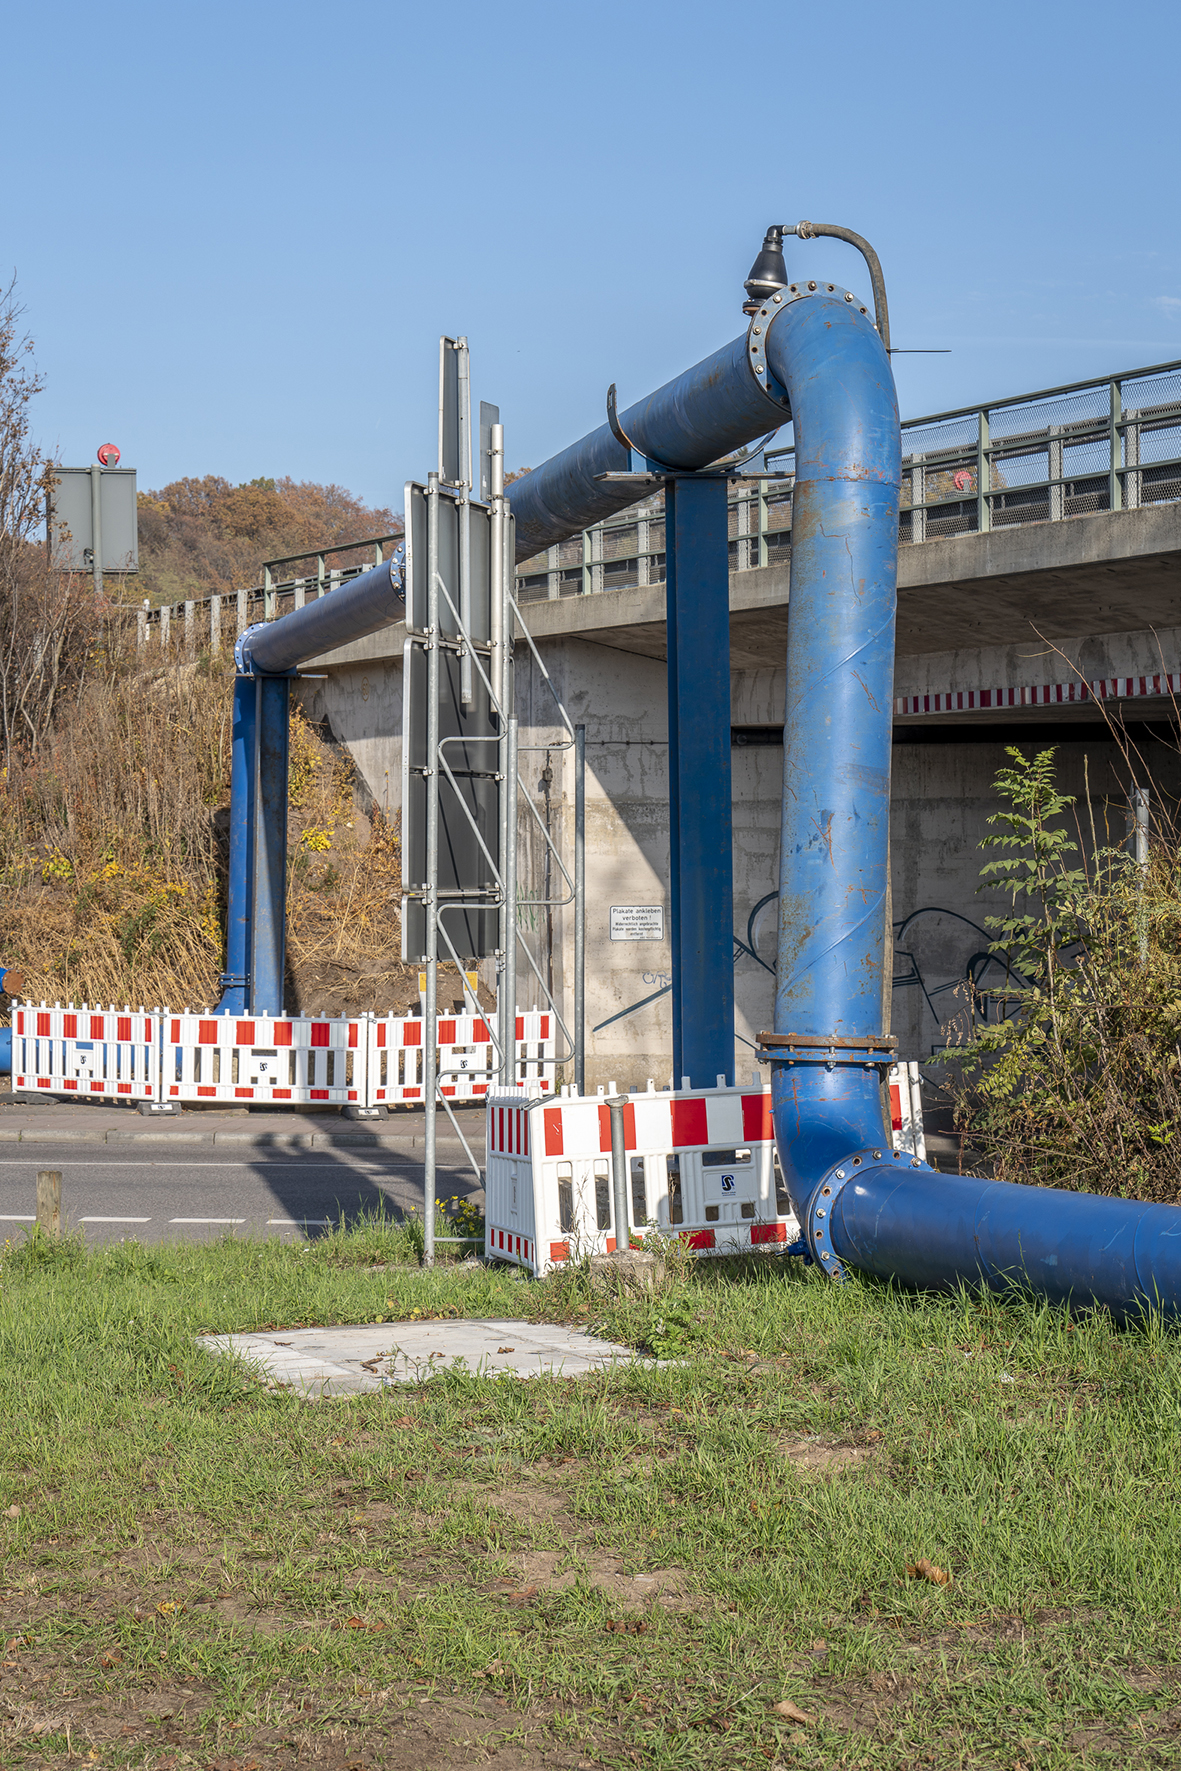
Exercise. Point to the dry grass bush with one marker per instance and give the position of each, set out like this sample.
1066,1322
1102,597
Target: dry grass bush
108,843
113,852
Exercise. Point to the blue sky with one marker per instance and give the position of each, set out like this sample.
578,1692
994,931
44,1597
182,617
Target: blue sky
240,229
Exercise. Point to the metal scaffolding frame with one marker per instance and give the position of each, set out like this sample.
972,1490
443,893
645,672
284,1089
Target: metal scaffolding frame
491,663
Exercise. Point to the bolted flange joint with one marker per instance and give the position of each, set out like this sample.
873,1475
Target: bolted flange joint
822,1202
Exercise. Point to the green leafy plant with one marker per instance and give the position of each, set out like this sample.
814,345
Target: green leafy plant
1069,1075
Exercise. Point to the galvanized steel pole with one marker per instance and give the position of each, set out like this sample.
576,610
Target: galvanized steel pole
430,885
620,1215
580,909
96,527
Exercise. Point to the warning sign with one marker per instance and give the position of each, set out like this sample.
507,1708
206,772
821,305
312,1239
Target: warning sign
637,922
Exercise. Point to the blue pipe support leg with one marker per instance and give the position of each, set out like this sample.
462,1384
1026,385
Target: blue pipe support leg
235,979
269,916
701,873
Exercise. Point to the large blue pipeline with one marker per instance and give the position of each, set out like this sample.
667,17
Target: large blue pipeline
266,657
813,351
860,1205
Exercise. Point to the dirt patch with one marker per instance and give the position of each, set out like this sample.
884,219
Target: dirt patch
820,1457
582,1560
556,1571
174,1726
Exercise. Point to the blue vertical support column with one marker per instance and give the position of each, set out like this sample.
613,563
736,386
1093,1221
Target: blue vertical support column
268,930
701,861
234,980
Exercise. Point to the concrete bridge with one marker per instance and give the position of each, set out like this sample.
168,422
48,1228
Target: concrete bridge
1039,597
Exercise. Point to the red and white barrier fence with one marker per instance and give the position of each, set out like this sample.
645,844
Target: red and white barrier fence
467,1060
906,1109
359,1060
92,1052
701,1166
281,1060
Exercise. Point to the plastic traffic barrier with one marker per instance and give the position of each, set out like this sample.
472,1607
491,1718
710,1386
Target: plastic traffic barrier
906,1109
94,1053
291,1060
284,1060
701,1166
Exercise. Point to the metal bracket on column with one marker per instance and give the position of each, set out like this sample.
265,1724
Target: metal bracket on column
642,464
862,1050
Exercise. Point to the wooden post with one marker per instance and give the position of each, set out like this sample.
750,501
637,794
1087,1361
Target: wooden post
49,1201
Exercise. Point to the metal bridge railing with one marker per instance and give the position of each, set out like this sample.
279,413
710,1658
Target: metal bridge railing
1112,444
215,620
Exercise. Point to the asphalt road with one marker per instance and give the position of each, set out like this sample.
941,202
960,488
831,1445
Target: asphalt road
158,1194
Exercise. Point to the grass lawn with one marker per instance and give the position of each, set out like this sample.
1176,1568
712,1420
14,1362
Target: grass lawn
630,1569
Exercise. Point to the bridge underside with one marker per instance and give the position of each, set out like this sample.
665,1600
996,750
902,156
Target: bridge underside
1114,572
1029,614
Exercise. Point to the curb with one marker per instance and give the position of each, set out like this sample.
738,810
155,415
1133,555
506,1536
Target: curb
260,1140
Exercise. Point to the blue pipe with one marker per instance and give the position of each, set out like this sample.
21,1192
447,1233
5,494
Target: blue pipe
893,1216
362,606
235,979
711,409
268,927
860,1205
837,730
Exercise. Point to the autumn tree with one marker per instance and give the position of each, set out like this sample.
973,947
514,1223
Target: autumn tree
47,618
203,535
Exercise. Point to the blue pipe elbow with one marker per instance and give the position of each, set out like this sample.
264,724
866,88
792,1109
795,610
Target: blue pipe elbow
5,1051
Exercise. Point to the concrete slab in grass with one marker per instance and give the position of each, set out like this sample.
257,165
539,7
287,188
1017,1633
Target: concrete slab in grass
349,1361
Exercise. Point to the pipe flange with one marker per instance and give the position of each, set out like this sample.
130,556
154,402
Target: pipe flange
762,321
241,663
860,1051
817,1216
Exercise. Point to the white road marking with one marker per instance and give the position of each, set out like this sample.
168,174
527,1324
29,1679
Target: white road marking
8,1218
114,1220
214,1161
297,1223
207,1220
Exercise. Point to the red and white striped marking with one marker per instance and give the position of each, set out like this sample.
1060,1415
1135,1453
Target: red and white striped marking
1112,688
297,1061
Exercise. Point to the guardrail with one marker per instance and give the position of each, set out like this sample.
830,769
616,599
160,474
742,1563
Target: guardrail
1110,444
211,620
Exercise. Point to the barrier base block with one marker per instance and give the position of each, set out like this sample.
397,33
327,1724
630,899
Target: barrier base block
352,1111
156,1109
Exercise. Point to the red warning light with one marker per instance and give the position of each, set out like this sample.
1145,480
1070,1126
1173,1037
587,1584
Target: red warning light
108,455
